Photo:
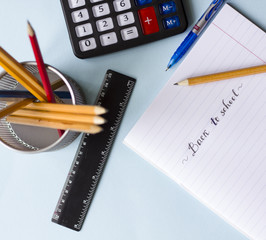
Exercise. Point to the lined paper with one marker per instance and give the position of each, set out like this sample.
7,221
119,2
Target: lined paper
210,138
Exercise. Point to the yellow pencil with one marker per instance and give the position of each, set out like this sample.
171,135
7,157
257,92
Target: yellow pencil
24,77
60,116
67,108
78,127
222,76
57,84
15,106
20,103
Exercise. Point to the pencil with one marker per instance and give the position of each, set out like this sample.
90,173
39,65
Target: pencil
57,84
78,127
223,76
23,102
14,106
60,116
67,108
40,64
42,70
24,77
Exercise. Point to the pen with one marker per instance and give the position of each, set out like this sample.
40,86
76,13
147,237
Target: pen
194,33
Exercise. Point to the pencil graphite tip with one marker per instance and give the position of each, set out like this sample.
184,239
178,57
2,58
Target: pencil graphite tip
30,29
176,83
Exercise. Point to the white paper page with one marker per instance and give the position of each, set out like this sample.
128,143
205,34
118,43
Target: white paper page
210,138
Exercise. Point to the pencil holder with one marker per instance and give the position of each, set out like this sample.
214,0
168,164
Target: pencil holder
32,139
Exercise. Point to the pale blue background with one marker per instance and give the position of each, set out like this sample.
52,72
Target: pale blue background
134,200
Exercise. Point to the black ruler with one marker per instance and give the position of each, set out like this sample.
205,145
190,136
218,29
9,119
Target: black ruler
92,153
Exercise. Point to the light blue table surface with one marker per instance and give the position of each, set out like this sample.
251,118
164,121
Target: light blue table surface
134,200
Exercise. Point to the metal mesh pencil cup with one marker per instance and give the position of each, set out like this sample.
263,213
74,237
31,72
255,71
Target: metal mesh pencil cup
31,139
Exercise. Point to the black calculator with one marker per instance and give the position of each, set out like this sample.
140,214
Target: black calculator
98,27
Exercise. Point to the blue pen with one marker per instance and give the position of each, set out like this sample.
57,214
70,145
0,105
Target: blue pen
194,33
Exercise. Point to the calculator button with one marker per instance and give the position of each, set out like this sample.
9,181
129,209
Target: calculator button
76,3
108,39
167,7
104,24
129,33
94,1
80,15
171,22
148,20
121,5
143,2
87,44
101,10
125,19
83,30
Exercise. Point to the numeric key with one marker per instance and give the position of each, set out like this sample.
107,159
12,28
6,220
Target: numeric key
101,10
121,5
125,19
80,15
76,3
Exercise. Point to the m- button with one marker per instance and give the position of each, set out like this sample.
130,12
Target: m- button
148,20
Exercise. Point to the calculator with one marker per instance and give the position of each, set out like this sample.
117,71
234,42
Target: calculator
99,27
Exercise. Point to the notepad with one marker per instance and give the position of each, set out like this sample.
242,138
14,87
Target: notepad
210,138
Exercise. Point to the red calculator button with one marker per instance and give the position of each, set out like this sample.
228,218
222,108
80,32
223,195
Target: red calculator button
148,20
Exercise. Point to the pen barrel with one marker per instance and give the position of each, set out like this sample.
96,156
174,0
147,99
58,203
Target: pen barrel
207,15
185,45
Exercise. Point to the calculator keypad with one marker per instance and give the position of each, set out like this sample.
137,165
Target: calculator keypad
102,26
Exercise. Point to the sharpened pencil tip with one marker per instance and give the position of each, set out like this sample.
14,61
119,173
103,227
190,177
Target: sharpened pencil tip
100,110
176,83
30,29
99,120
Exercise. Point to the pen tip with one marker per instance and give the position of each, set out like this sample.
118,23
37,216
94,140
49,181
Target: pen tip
166,69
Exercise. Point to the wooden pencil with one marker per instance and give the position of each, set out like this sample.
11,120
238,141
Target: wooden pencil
42,69
60,116
23,102
57,84
24,77
40,64
78,127
15,106
223,76
67,108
